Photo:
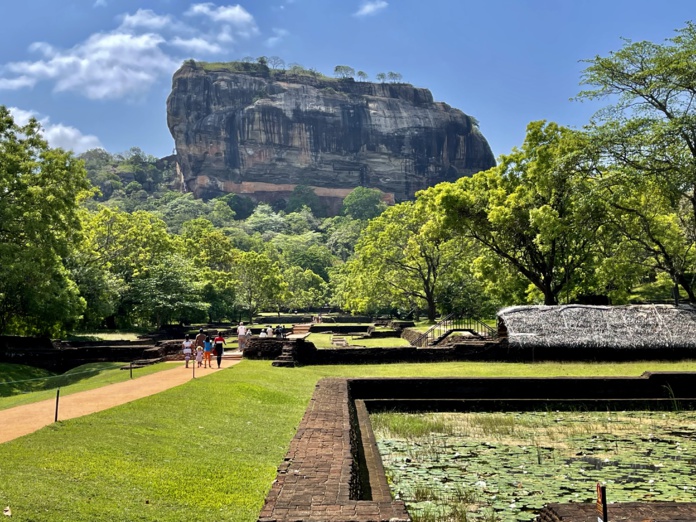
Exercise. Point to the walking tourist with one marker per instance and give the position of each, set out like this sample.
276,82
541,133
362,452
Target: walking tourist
200,338
241,336
199,356
218,344
207,352
187,347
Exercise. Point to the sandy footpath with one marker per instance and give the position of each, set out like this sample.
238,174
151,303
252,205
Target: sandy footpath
22,420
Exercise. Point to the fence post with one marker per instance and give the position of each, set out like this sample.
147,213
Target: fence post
131,369
57,400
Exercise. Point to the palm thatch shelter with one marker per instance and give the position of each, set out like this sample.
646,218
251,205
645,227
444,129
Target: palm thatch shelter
655,330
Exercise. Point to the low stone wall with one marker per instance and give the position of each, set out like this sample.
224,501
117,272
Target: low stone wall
61,356
319,479
411,335
267,348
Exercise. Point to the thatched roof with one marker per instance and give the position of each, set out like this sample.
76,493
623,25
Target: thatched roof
581,326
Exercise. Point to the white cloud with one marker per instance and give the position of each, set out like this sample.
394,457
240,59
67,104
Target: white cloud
20,82
147,19
279,34
58,135
233,15
105,66
370,8
196,45
128,60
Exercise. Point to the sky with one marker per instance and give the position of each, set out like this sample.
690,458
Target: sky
97,73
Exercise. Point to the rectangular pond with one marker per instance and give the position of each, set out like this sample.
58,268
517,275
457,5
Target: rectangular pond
506,465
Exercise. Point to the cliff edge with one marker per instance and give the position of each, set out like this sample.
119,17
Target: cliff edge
243,128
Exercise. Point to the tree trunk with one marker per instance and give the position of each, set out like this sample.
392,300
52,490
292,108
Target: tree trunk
550,298
684,283
432,310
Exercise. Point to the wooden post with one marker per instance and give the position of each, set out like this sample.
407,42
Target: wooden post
57,400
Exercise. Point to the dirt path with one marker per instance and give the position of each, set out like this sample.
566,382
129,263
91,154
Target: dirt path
22,420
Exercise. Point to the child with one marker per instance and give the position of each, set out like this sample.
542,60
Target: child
199,355
207,352
187,346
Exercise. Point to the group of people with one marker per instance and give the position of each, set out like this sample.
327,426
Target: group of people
244,333
205,348
278,332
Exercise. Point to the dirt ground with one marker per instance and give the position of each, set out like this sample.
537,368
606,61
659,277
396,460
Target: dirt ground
22,420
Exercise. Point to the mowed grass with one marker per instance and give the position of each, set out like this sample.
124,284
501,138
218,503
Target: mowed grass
207,450
21,384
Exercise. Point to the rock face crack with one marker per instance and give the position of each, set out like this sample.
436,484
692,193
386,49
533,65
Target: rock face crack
262,134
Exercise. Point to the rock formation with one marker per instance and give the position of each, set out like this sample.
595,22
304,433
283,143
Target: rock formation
243,128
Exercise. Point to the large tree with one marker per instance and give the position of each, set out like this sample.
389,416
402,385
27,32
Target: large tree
40,189
534,210
403,259
647,136
259,281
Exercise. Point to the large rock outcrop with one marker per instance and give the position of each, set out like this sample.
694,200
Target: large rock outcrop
245,129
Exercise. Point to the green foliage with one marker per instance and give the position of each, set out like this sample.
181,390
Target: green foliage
305,289
647,137
363,203
242,206
168,292
40,189
405,258
259,281
304,196
344,71
534,210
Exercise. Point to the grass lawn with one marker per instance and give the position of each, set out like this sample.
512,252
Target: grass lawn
206,450
28,384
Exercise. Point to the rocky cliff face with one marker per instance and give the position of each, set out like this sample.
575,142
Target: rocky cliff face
263,132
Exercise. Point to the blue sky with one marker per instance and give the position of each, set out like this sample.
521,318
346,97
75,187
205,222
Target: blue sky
97,73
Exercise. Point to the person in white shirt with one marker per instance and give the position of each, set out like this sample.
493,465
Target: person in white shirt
187,347
241,336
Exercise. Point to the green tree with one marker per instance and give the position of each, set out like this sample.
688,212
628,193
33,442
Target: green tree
402,260
342,235
344,71
242,206
362,75
169,292
535,211
363,203
276,62
381,77
125,246
214,258
305,289
304,196
647,136
40,190
259,281
394,77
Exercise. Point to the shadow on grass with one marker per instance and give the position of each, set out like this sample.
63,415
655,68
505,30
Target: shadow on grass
17,379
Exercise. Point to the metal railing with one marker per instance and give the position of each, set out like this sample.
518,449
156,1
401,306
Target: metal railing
452,323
